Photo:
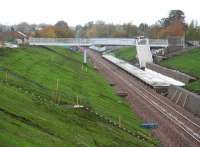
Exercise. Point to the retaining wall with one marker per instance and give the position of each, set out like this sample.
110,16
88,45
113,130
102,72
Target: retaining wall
190,101
170,73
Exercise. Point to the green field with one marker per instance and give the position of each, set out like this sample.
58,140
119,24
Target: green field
38,89
189,63
127,53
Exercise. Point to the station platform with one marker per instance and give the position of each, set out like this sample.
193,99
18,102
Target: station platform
150,77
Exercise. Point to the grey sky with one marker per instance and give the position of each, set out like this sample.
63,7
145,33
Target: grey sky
81,11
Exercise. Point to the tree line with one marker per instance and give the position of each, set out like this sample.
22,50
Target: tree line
172,25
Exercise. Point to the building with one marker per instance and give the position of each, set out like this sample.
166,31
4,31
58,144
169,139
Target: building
14,37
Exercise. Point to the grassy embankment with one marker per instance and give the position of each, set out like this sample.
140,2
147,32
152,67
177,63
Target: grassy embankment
37,83
189,63
126,53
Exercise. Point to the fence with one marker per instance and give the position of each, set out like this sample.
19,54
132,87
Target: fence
94,41
190,101
155,42
195,43
62,41
176,42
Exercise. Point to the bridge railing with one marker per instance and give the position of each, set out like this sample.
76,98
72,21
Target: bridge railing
112,41
60,40
94,41
163,42
90,41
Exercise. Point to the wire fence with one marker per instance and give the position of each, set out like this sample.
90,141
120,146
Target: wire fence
22,82
42,95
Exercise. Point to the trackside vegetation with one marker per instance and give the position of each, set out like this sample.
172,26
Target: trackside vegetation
39,87
189,63
126,53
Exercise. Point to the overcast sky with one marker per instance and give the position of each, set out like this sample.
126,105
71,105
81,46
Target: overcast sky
81,11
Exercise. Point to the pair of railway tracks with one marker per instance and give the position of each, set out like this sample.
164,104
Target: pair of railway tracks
191,128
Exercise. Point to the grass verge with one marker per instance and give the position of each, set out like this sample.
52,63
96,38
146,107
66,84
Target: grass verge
40,81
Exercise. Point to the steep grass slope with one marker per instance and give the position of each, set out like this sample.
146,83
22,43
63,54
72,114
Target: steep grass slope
126,53
38,89
189,63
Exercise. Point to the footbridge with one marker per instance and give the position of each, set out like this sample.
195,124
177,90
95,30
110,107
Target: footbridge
94,42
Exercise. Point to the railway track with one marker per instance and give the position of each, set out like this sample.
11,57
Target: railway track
190,127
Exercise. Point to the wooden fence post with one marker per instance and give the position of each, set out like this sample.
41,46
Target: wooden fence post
120,123
56,95
77,101
6,76
58,99
86,69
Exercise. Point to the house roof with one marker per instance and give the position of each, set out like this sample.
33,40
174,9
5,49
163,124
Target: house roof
7,35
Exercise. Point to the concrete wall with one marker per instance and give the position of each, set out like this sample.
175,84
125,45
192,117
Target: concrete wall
170,73
185,98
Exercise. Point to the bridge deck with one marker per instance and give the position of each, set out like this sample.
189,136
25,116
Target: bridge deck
93,41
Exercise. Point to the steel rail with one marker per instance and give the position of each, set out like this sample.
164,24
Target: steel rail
171,117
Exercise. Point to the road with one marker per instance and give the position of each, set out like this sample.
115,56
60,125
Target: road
177,127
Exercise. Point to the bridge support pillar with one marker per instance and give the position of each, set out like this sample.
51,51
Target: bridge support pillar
85,56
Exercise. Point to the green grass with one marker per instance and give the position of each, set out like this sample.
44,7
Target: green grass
189,63
29,120
127,53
